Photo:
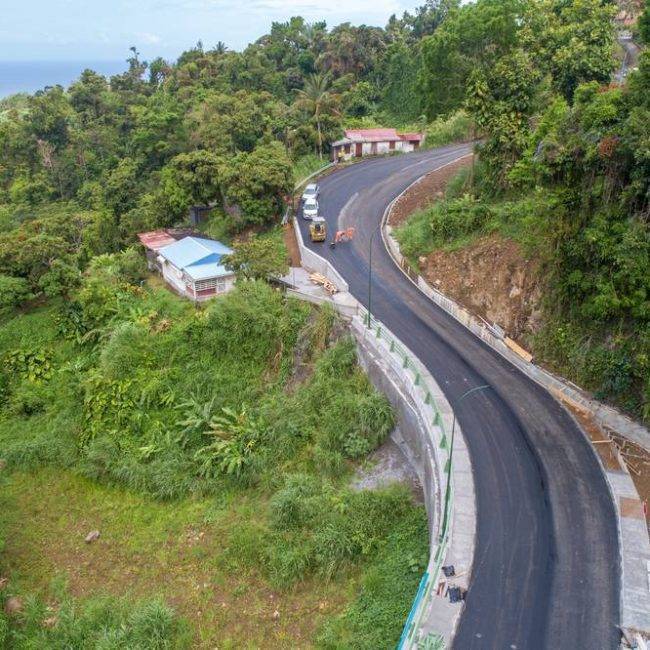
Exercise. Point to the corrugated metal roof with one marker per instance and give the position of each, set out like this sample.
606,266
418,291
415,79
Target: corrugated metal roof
156,239
372,135
199,258
379,135
412,137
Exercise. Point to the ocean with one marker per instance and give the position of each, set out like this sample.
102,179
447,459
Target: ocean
30,76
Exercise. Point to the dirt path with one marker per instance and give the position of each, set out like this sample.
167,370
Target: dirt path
291,243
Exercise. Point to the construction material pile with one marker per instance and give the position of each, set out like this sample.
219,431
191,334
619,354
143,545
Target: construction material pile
327,284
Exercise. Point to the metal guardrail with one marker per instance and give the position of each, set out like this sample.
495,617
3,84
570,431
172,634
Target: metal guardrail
430,578
318,171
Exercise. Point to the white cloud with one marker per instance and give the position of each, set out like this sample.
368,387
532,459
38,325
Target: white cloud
372,7
148,38
311,8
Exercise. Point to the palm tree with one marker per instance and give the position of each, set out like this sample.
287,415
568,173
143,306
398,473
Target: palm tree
318,98
220,48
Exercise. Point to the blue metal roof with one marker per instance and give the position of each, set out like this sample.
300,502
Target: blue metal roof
199,258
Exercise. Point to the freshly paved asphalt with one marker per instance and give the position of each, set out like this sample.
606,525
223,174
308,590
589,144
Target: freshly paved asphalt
546,567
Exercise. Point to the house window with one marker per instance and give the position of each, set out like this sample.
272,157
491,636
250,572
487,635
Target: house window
218,284
347,148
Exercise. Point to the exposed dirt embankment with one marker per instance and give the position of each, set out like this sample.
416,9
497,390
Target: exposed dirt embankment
491,277
427,190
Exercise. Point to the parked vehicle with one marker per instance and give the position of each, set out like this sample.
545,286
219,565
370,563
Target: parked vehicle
311,192
310,209
318,229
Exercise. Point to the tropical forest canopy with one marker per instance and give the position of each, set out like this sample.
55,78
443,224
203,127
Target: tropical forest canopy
83,169
564,168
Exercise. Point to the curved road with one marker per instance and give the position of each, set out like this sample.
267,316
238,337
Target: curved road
546,566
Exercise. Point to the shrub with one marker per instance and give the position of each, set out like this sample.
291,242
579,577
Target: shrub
235,438
32,365
259,258
443,223
375,618
97,623
457,127
321,529
13,292
450,220
60,279
297,503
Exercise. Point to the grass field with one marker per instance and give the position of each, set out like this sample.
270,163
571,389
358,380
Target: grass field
183,553
213,450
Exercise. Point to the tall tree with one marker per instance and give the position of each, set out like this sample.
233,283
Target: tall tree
476,35
318,98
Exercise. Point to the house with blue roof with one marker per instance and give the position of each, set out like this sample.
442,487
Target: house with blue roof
193,266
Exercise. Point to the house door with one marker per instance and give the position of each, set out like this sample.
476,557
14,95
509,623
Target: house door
358,149
373,148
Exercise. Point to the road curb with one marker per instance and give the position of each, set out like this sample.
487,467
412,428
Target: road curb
606,416
634,543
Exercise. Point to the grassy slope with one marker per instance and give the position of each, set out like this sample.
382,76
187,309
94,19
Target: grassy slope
219,552
181,552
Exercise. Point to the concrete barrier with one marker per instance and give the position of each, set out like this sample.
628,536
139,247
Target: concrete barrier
607,416
424,425
631,524
314,262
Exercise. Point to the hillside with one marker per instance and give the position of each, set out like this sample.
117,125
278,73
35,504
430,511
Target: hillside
547,233
212,449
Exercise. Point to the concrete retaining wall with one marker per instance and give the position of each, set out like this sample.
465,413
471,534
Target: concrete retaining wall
633,533
315,262
425,422
417,437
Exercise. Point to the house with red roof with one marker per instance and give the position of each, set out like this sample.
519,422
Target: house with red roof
373,142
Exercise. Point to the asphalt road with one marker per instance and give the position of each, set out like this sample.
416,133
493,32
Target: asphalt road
546,567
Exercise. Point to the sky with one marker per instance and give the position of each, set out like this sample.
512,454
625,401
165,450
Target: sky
94,30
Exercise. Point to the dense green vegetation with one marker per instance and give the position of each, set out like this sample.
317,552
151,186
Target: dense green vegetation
564,169
107,378
97,623
248,416
131,386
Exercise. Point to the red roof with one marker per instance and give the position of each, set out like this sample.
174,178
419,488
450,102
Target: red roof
381,135
156,239
372,135
412,137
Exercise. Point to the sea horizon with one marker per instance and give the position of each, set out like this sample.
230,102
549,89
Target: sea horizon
29,76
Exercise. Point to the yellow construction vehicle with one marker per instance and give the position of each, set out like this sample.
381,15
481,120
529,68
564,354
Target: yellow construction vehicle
318,229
